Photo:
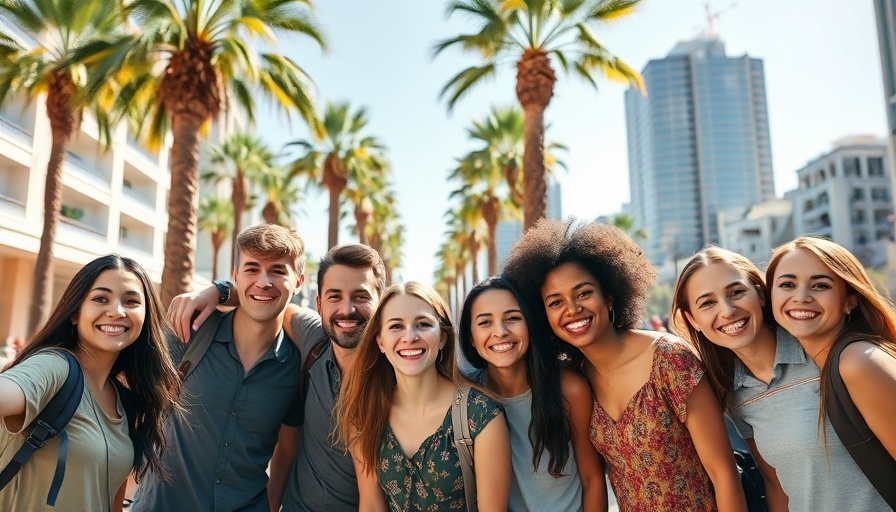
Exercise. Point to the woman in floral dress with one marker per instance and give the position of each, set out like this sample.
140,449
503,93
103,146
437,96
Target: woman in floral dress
655,420
394,413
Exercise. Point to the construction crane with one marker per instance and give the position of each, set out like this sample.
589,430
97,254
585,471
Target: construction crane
712,16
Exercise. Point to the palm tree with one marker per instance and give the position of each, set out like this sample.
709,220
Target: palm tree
282,192
190,59
56,65
216,218
626,223
333,161
366,189
466,229
529,33
242,158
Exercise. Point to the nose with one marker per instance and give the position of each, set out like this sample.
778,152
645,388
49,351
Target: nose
573,307
500,330
117,309
264,281
801,294
728,309
347,307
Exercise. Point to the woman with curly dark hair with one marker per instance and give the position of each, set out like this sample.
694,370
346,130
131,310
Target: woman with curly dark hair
110,319
655,421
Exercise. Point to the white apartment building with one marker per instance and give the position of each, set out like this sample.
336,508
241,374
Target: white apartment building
759,230
845,194
113,200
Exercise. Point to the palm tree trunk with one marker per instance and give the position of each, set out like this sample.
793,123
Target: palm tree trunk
216,248
534,178
490,212
180,241
42,294
361,224
271,213
333,230
238,196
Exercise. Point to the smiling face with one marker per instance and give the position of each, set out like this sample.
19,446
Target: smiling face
347,298
410,336
500,332
265,286
112,314
809,300
725,305
576,308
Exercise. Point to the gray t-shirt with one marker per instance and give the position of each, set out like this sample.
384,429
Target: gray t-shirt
782,418
322,477
219,449
537,490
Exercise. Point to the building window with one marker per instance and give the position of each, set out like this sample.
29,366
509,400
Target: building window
807,206
858,216
875,166
833,169
851,166
880,194
881,216
858,194
861,237
822,198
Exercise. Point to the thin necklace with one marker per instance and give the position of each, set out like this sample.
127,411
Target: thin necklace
613,372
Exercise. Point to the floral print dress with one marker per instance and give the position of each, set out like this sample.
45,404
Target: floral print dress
651,458
432,479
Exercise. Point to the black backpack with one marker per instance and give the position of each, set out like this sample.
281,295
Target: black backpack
751,480
51,422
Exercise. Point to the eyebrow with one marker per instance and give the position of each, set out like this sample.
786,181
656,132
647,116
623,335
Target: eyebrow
732,285
107,290
576,287
816,276
512,310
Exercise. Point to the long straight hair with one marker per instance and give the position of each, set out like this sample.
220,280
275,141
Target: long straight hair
873,319
718,360
365,399
549,427
144,367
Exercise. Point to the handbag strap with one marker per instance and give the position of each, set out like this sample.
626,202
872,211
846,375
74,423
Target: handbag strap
464,444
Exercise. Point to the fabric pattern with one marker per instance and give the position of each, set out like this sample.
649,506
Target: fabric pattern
432,479
650,456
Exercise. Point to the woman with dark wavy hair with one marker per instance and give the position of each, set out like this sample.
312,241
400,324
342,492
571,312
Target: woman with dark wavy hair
548,410
655,419
110,319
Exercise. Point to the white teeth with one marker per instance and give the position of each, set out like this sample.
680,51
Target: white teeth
410,353
262,297
577,325
802,314
731,328
347,325
502,347
112,329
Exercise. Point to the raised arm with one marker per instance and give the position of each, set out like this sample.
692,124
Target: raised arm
201,304
869,374
707,428
491,463
579,406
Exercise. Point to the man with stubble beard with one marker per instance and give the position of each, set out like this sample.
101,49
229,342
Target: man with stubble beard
351,279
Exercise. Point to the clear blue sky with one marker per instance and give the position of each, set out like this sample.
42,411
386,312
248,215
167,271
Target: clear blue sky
823,82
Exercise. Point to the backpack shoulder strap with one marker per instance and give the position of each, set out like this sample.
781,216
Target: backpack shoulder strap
460,424
312,356
51,422
198,345
855,434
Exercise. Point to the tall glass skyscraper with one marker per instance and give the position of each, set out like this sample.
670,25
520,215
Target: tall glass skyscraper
698,145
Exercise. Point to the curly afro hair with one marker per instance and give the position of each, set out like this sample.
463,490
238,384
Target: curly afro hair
607,253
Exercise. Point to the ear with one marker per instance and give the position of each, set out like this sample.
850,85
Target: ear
378,344
761,295
690,319
317,302
851,302
443,340
299,281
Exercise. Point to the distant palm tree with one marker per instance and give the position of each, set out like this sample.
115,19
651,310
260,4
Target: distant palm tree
190,59
241,159
489,175
366,188
626,223
528,33
331,162
467,229
55,65
216,218
282,191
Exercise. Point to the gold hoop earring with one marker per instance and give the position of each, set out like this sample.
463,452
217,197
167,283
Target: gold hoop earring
613,317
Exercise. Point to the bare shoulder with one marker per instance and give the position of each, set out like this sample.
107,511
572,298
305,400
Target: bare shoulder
574,387
862,360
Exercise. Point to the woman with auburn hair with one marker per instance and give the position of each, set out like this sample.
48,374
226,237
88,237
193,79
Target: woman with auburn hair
110,319
548,410
655,419
394,412
766,383
822,295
